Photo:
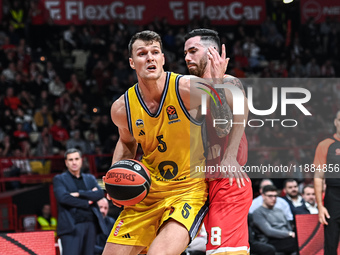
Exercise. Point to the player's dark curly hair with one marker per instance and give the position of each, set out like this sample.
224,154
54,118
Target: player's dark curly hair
207,35
146,36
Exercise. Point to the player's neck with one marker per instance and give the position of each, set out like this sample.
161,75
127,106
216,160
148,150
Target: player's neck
337,135
151,90
206,74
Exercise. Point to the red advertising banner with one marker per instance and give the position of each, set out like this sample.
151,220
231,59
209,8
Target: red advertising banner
177,12
319,9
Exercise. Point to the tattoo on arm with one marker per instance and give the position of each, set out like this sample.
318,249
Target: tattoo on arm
236,82
223,111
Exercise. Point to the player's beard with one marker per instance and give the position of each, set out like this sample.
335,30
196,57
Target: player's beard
199,71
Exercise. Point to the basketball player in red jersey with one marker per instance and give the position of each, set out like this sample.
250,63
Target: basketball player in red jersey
226,222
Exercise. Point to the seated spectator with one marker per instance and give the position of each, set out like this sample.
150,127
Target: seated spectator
73,86
272,224
64,102
77,142
27,100
56,87
280,202
43,98
7,120
257,247
297,69
70,38
313,69
7,146
291,188
85,119
20,135
10,72
309,205
45,143
20,166
49,72
103,163
103,205
46,221
11,100
59,134
91,142
105,128
43,118
327,69
58,114
25,119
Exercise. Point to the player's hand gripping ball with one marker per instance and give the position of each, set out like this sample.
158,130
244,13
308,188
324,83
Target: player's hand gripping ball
127,182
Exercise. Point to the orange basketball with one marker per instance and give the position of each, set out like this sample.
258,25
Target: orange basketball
127,182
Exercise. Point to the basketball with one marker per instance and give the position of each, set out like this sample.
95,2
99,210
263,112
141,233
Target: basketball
127,182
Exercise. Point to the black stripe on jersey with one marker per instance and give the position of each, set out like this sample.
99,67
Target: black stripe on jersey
198,123
165,91
128,114
198,220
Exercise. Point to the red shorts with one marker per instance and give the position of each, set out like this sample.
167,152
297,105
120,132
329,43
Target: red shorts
227,219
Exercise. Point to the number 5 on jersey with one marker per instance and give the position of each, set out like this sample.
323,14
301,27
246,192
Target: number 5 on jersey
162,145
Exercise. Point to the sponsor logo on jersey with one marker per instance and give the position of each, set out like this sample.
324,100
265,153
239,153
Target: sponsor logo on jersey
168,170
118,227
171,111
140,123
126,236
337,152
141,133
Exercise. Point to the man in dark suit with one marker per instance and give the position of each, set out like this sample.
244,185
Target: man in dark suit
79,218
294,199
309,205
109,222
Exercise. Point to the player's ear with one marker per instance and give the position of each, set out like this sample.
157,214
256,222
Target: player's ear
132,64
163,59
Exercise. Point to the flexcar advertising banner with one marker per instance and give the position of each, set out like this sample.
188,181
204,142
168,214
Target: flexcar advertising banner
65,12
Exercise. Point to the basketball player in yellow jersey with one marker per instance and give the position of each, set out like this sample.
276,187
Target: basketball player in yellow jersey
159,113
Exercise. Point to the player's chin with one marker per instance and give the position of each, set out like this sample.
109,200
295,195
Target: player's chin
153,75
192,69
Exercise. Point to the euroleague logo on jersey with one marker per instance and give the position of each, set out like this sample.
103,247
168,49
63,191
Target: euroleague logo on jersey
171,111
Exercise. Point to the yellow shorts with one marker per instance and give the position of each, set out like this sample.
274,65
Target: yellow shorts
138,225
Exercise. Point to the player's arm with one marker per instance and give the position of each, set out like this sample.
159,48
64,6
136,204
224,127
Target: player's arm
319,160
235,135
126,146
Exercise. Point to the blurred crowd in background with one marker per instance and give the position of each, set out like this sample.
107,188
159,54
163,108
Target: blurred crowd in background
57,83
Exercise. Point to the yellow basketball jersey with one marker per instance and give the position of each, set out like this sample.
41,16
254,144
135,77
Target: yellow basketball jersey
171,139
